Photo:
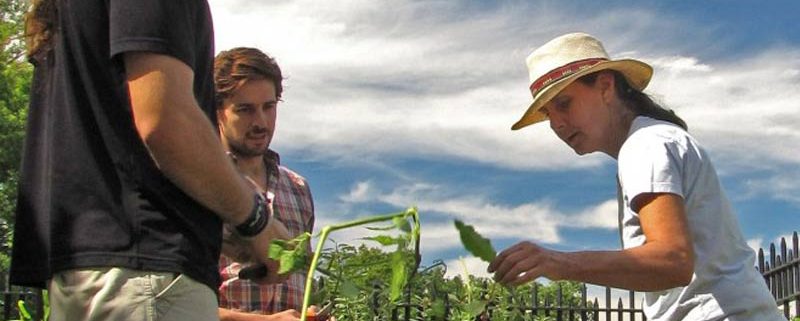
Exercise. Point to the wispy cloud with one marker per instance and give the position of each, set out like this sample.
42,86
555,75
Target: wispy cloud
536,221
446,80
358,194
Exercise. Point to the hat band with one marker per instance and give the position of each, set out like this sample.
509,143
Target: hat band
562,72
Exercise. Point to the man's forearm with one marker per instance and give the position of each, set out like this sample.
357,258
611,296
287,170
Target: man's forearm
230,315
180,138
189,153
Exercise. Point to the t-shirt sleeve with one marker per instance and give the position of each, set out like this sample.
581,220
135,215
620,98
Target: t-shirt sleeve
158,26
650,164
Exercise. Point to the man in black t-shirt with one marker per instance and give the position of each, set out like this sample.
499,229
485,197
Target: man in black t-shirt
124,183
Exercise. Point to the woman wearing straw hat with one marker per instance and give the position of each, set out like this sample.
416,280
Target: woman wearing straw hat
681,242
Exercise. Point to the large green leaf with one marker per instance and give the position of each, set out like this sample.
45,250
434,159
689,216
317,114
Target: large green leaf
399,275
475,307
475,243
292,254
348,289
384,240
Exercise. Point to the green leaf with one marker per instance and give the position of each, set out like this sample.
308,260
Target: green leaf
384,240
383,228
399,275
402,224
475,307
475,243
349,290
292,255
276,249
23,311
437,310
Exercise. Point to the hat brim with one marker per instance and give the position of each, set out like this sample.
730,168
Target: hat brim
637,74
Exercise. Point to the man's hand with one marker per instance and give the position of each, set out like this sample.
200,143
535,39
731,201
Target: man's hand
231,315
259,249
234,246
288,315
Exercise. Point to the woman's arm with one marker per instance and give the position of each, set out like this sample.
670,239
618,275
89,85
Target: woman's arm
666,260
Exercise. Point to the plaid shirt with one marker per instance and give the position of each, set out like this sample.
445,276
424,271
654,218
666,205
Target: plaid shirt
294,207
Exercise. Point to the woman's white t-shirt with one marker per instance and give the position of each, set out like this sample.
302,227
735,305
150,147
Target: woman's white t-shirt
660,157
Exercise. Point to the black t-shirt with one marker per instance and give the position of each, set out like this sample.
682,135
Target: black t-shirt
89,193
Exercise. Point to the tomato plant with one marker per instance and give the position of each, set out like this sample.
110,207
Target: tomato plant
368,283
403,261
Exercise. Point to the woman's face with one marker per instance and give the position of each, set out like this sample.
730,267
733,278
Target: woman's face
580,116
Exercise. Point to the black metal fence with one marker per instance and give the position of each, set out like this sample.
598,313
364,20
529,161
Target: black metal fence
781,271
587,309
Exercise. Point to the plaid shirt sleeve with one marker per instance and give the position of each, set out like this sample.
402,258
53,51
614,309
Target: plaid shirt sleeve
294,207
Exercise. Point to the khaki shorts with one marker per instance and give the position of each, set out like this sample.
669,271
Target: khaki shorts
110,294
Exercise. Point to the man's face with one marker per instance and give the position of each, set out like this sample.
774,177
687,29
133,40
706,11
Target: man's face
247,118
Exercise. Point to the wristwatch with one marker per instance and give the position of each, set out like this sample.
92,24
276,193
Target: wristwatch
258,219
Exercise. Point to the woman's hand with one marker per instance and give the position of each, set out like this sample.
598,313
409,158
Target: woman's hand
524,262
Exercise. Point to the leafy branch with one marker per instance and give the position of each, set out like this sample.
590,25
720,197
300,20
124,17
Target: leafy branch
292,254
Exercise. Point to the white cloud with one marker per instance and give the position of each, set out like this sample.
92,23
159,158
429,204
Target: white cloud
784,186
744,111
604,215
358,194
756,243
535,221
466,266
440,79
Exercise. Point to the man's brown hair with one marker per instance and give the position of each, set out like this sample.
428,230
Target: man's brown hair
235,66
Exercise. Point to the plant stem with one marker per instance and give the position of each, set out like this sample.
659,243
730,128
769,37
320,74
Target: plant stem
323,236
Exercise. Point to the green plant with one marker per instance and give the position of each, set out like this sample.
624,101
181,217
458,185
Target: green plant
293,256
24,311
504,303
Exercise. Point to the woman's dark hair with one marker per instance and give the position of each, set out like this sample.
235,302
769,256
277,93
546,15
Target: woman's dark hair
40,27
638,102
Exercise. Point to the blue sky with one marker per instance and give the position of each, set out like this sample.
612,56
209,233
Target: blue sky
389,104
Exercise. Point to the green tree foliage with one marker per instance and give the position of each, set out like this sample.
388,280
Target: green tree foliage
15,81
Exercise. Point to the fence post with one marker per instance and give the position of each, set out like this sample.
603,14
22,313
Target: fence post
783,277
446,307
608,304
796,272
535,299
559,304
7,305
772,265
584,303
631,303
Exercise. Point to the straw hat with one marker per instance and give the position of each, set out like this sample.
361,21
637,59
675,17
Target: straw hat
559,62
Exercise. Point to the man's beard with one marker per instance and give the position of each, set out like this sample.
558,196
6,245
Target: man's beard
241,151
